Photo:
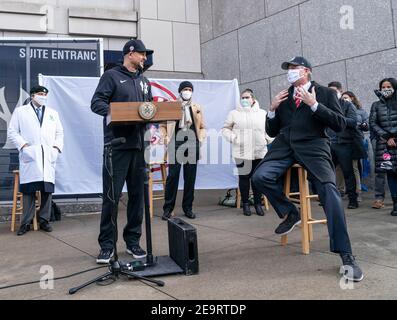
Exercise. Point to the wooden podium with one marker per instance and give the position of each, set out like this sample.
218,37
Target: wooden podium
129,112
124,113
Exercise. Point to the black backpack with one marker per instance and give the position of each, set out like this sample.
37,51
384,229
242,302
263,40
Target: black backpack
55,212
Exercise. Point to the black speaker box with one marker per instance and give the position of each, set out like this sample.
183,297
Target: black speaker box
182,241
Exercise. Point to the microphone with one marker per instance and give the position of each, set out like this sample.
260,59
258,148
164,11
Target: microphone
115,142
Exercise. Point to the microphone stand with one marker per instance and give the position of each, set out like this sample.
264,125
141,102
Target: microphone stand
116,267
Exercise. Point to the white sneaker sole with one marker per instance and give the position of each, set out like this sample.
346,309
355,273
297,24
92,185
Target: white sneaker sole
346,276
292,228
354,280
104,261
136,256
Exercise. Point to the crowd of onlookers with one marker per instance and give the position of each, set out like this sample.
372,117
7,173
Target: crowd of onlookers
368,144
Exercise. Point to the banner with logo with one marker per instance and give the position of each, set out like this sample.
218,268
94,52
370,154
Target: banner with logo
79,167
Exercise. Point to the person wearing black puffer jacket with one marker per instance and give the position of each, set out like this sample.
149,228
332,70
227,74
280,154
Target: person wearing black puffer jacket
383,121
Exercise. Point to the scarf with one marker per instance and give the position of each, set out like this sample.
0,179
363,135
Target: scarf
186,120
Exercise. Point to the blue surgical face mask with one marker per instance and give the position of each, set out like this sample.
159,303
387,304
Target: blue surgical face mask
245,103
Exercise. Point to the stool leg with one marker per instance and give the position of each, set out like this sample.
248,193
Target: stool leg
304,213
14,204
163,175
266,203
238,198
284,240
309,209
37,208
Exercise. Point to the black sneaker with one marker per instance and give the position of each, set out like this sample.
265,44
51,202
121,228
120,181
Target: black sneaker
285,227
104,256
137,252
350,269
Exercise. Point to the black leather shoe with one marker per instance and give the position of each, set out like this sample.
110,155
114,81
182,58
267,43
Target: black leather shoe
259,210
394,211
246,209
23,229
166,216
190,215
45,226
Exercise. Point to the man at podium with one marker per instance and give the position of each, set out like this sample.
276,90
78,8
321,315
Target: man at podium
123,83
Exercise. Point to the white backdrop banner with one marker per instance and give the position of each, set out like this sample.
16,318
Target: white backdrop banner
79,167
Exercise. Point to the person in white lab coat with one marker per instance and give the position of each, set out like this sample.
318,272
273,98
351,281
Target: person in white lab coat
37,133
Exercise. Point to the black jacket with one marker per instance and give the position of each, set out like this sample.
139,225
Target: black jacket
383,123
301,133
120,85
350,114
351,135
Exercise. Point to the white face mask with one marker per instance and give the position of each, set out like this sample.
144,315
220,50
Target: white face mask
186,95
41,100
294,75
339,95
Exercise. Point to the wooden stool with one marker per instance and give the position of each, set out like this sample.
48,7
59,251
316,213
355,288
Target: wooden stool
17,203
303,198
265,202
162,166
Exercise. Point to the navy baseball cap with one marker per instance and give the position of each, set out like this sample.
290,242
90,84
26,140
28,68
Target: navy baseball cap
296,61
135,46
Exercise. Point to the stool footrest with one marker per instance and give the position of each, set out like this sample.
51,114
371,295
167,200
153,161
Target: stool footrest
317,222
303,199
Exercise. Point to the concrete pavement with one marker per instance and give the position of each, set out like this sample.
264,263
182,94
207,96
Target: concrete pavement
240,258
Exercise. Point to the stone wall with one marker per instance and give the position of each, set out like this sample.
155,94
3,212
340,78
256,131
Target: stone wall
352,41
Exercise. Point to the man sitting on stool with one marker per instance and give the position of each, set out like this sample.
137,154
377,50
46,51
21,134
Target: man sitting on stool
298,118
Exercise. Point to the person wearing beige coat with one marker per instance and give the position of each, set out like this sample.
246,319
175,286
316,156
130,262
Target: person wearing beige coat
245,129
183,139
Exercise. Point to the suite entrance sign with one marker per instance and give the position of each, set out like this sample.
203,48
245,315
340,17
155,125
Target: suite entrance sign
21,61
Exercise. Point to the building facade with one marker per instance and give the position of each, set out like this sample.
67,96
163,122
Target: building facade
170,27
351,41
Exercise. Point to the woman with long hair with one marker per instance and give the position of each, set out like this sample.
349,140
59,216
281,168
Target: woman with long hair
383,122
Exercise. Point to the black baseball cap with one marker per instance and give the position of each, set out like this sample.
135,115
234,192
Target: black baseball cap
137,46
37,89
296,61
